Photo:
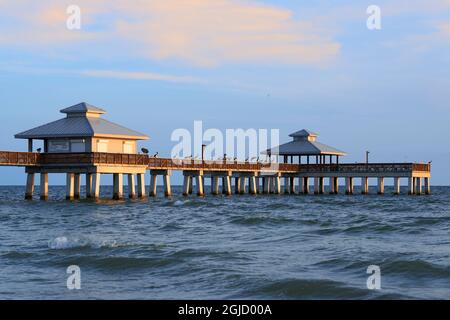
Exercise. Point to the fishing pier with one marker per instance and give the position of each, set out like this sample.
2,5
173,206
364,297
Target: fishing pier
85,145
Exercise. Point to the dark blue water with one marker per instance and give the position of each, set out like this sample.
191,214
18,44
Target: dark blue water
239,247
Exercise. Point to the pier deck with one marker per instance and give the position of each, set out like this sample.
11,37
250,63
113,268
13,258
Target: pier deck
91,164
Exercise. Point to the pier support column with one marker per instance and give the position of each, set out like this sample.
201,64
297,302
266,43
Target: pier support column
265,185
252,188
44,186
269,185
277,186
322,185
227,185
131,186
336,185
427,186
77,186
70,186
141,185
117,186
287,188
272,185
258,187
411,188
349,185
243,186
30,186
89,178
364,185
191,186
316,185
397,185
167,186
223,185
292,185
95,191
381,185
419,185
186,185
332,185
153,184
215,185
237,185
199,182
305,185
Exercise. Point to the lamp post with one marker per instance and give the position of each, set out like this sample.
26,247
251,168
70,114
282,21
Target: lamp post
203,153
367,157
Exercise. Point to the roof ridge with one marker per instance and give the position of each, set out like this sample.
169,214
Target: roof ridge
83,107
137,133
90,125
314,145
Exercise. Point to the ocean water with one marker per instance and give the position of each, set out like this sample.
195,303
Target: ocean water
217,247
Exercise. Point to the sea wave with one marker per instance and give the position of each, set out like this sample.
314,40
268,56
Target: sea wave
63,242
308,289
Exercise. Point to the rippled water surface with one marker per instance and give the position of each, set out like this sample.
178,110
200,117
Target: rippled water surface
239,247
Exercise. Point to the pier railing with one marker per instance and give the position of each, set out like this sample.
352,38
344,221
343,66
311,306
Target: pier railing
8,158
71,159
366,168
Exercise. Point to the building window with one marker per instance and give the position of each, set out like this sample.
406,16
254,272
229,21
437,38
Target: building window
56,146
102,146
78,146
128,147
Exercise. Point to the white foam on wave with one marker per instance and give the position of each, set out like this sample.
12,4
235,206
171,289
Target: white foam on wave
179,203
61,243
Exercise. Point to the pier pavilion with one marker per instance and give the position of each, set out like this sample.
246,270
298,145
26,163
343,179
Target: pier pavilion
84,131
85,143
305,144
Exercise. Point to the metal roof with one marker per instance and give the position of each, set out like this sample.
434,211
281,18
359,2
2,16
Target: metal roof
304,143
83,107
304,147
81,127
303,133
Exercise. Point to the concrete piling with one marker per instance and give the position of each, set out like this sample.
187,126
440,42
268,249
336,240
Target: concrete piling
131,186
44,186
30,186
118,186
70,186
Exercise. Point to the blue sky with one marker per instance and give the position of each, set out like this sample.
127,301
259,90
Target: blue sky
236,64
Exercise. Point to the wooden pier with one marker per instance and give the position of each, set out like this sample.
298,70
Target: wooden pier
246,177
83,143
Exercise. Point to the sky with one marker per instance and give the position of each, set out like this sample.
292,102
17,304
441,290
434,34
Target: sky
159,65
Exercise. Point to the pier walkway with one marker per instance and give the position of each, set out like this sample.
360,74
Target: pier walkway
246,175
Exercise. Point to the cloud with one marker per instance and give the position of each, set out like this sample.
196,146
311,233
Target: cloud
444,29
199,32
18,67
139,76
39,24
220,31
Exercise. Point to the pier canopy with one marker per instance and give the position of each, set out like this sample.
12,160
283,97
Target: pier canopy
305,144
83,130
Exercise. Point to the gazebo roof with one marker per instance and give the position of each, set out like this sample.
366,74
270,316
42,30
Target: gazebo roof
304,143
83,107
303,133
87,123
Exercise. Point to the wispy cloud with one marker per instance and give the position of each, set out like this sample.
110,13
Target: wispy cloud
94,73
199,32
139,76
220,31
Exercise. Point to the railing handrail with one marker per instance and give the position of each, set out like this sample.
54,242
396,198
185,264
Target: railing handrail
32,158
